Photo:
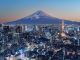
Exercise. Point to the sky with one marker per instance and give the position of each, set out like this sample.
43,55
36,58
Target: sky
11,10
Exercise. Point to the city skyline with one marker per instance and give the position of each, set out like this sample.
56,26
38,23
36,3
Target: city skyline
11,10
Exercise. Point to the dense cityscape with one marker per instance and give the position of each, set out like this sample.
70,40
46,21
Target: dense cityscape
39,29
40,42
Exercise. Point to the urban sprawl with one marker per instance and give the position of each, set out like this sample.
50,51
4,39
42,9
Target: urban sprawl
40,42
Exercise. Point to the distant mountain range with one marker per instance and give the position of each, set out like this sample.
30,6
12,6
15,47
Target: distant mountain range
41,17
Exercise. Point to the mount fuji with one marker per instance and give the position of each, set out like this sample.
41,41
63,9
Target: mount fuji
41,17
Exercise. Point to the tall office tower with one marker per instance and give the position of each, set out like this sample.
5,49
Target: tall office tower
6,29
0,25
18,29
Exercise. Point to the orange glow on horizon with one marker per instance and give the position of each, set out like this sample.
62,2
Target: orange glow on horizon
15,18
24,13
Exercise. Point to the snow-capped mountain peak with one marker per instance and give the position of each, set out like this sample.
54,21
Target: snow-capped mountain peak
38,15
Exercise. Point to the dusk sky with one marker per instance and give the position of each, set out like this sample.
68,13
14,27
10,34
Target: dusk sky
15,9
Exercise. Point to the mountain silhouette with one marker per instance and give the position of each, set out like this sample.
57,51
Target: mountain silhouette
41,17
